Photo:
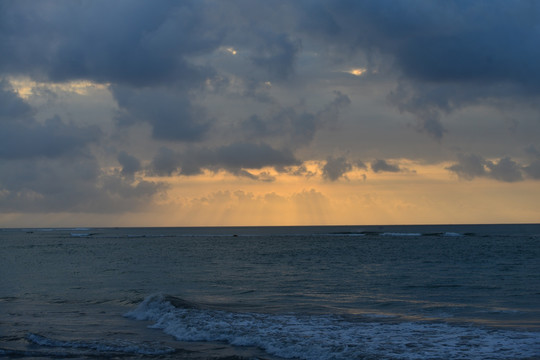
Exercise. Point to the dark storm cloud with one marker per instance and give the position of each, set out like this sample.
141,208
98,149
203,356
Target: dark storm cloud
140,48
53,138
235,158
384,166
450,41
169,112
276,54
505,169
442,49
336,168
139,43
125,42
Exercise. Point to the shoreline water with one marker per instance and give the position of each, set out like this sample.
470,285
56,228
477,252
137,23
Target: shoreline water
398,292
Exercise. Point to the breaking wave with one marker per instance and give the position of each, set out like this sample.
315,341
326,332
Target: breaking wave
336,337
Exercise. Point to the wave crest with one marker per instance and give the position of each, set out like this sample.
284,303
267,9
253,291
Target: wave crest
333,337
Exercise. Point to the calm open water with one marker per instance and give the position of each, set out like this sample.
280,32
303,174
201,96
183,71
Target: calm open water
356,292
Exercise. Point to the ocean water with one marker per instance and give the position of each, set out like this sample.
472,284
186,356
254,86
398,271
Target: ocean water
355,292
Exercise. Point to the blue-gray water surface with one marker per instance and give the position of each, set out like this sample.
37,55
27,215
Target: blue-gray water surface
391,292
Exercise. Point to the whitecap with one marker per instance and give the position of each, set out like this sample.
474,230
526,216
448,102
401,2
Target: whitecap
334,337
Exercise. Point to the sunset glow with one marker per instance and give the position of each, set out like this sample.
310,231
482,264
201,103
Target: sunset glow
257,120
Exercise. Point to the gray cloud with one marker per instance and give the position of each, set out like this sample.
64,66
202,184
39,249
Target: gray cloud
235,158
11,105
295,127
443,50
505,169
21,136
166,163
533,170
130,164
336,168
124,42
469,166
53,138
532,150
169,112
60,185
300,170
384,166
452,41
425,105
251,156
276,54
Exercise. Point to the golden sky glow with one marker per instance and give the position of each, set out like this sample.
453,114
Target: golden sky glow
426,196
357,71
26,87
422,197
230,50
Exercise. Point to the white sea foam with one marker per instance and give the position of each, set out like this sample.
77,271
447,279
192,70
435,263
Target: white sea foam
449,233
80,234
333,337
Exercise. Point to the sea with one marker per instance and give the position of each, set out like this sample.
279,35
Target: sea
323,292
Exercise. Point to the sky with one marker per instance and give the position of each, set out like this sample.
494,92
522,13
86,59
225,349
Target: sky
255,112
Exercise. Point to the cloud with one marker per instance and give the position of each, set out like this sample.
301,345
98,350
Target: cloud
449,54
53,138
312,204
130,164
124,42
300,170
235,158
47,165
505,169
166,163
533,170
425,105
469,166
383,166
11,105
532,150
452,41
276,54
169,112
336,168
68,185
251,156
22,136
295,126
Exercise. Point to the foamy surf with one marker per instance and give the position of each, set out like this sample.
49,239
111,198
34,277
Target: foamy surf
332,336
